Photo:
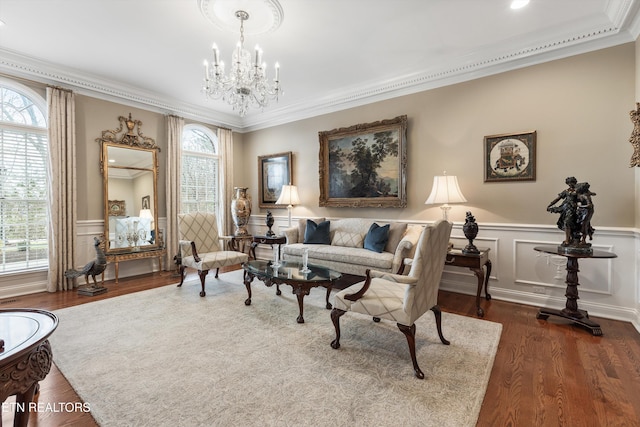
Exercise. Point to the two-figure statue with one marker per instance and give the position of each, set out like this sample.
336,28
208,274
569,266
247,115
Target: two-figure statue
576,211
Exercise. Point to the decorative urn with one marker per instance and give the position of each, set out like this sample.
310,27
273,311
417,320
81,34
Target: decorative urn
470,229
270,224
241,211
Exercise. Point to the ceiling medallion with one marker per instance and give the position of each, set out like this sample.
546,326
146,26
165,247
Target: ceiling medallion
266,15
247,83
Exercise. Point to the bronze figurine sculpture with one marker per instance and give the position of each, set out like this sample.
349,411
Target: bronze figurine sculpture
576,211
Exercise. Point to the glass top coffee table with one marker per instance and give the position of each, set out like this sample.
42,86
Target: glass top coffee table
289,273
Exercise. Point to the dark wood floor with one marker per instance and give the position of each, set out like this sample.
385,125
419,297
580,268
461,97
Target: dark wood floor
546,373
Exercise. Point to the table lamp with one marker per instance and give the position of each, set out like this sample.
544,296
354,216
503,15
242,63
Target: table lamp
445,190
289,196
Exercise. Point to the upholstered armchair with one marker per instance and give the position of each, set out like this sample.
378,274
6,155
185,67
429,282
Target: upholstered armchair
199,246
402,299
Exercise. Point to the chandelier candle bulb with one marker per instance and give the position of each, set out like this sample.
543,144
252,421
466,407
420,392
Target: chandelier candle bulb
216,54
277,72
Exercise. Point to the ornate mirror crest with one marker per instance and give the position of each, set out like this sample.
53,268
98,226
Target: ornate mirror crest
128,137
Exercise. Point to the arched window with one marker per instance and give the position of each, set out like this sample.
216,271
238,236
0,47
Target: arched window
200,166
23,179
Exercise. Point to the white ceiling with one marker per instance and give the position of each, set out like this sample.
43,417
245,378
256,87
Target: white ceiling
334,54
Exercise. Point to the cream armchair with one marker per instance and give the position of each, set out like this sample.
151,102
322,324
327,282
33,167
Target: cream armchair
402,299
199,246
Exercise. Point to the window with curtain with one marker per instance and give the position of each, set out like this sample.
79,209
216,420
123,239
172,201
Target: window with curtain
199,189
23,179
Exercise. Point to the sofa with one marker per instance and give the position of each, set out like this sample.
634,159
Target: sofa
344,249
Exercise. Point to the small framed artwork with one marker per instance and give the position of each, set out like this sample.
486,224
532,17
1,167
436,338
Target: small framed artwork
510,157
146,202
117,208
365,165
274,171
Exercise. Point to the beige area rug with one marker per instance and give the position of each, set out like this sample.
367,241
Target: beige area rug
167,357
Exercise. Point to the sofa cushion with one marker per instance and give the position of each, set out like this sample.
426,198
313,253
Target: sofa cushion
377,237
350,240
317,233
328,255
302,227
396,232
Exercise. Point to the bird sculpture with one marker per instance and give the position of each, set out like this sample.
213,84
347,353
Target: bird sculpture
92,268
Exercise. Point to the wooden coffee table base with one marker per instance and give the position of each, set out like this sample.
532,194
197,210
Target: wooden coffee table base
300,289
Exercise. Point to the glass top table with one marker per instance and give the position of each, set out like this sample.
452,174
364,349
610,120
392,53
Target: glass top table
289,273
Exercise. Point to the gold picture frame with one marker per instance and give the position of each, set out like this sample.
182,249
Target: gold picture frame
117,208
274,171
510,157
365,165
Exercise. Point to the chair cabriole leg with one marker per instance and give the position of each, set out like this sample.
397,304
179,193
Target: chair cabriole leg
335,318
203,275
438,314
182,268
410,333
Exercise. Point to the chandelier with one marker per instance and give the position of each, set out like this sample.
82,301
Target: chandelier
247,83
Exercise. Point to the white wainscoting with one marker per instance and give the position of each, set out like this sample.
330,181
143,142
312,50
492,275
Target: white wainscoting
608,288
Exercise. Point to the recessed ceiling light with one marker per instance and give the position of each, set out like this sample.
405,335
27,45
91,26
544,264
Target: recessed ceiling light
517,4
1,23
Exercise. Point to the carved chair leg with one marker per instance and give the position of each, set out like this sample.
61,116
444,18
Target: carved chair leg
438,314
217,271
203,275
335,318
182,268
410,333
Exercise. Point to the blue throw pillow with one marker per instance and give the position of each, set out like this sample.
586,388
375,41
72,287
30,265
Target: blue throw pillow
377,237
317,233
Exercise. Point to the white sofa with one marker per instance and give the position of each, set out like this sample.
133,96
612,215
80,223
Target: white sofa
346,253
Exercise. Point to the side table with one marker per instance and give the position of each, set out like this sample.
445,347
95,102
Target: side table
25,356
476,263
117,257
571,311
267,240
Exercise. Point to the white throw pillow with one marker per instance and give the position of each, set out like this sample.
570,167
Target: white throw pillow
349,240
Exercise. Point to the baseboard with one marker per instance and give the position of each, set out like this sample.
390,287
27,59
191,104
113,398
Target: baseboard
536,300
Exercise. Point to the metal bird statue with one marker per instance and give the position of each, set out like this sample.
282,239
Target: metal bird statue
93,268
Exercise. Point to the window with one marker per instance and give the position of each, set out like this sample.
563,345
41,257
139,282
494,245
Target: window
200,165
23,179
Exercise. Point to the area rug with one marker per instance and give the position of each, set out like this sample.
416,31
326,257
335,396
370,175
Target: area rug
167,357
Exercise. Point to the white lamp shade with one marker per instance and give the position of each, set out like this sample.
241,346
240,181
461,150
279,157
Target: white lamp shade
146,213
445,190
288,195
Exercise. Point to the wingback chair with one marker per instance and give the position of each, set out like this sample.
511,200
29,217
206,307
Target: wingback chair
199,246
402,299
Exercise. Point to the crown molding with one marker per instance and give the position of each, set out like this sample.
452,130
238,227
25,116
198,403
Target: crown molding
624,27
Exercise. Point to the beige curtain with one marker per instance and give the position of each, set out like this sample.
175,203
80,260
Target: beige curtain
174,162
63,203
225,143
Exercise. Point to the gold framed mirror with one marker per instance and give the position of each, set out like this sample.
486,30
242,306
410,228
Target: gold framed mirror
129,165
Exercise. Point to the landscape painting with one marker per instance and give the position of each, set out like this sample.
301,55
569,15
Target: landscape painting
364,165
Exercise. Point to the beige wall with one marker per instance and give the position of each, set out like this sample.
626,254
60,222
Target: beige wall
92,117
579,107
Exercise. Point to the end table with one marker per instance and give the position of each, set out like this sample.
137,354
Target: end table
267,240
476,263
